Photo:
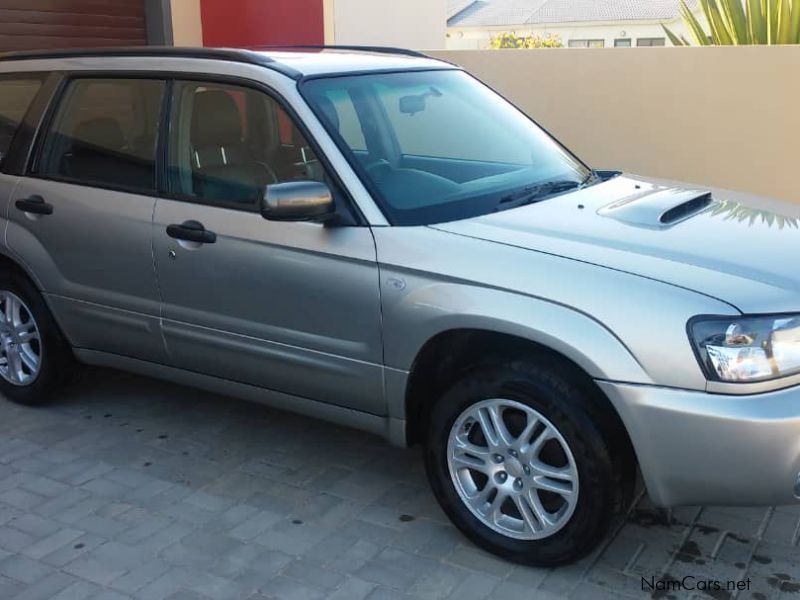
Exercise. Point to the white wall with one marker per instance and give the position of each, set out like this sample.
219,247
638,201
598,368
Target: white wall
418,24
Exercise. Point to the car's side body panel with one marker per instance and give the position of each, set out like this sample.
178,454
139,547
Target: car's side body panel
288,306
568,305
377,425
94,260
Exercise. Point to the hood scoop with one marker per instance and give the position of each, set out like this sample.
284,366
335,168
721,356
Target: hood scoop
658,207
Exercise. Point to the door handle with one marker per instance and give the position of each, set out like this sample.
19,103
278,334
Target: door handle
34,205
191,231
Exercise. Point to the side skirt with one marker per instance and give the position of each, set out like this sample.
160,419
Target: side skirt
388,428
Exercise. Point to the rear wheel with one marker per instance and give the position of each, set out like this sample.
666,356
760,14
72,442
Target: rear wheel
519,464
34,358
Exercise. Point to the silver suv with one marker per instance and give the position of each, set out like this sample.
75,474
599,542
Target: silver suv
378,239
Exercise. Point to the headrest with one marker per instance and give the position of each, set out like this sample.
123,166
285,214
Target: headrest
105,133
329,110
216,121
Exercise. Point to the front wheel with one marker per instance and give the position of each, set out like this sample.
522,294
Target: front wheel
519,465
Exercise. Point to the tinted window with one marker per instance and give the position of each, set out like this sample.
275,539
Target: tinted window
227,143
16,96
105,133
440,146
448,126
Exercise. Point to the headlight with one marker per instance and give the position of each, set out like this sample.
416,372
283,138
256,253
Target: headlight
746,349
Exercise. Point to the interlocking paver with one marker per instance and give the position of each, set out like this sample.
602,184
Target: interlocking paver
396,569
69,552
23,569
47,588
255,525
78,590
140,575
184,495
35,525
14,540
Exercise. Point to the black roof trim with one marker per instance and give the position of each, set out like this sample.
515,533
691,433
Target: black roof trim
230,54
373,49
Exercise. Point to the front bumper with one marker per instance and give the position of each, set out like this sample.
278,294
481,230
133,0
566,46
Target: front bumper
699,448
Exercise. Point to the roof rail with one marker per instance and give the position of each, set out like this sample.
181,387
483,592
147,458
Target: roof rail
375,49
234,55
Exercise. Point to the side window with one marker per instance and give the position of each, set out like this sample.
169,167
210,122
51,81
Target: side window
16,96
227,143
105,132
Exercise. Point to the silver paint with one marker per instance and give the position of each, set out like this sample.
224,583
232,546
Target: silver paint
296,315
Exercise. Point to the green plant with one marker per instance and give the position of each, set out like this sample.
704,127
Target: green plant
742,22
512,40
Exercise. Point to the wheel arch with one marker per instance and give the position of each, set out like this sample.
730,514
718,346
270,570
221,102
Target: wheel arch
449,354
18,267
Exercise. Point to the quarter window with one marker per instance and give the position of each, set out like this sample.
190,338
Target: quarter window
105,133
227,143
16,96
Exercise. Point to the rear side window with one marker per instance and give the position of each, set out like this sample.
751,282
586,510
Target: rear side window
16,95
105,133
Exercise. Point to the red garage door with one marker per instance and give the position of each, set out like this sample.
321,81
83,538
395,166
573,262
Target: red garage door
46,24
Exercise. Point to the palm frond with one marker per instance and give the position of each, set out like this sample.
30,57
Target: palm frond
740,22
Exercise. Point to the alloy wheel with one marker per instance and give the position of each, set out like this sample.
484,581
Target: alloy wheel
512,469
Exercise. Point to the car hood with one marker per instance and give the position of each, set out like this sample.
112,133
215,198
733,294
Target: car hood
735,247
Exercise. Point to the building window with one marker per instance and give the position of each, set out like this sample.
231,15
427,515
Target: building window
586,43
622,43
650,42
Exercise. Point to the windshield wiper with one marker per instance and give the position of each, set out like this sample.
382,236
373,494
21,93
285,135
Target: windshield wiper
536,193
592,176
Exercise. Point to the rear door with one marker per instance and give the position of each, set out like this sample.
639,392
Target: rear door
81,219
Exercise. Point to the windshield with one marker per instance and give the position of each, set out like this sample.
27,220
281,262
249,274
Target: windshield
437,146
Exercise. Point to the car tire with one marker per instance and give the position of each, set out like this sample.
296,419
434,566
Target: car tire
560,466
35,360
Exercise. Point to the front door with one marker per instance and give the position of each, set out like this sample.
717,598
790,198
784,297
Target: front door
293,307
82,219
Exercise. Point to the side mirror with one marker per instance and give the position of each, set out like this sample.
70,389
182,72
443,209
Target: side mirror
297,201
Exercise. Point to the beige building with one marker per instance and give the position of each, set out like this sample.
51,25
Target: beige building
579,23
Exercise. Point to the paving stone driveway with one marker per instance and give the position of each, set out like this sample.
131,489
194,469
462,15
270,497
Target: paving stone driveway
129,488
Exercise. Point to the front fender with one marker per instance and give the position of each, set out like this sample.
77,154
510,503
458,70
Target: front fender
411,319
